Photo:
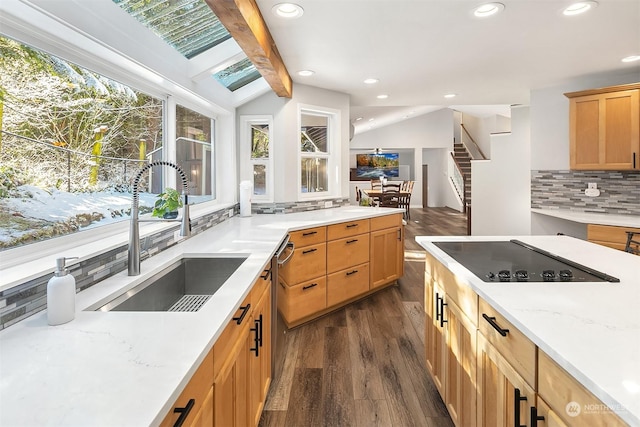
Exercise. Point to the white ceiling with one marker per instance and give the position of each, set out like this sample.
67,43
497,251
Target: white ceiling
421,50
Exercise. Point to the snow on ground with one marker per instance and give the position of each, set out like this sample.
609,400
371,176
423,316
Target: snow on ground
56,205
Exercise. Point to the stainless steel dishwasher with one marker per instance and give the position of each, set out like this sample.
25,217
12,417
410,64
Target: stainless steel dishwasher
279,330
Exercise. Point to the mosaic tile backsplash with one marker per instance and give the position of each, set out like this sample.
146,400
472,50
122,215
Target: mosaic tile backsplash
30,297
619,191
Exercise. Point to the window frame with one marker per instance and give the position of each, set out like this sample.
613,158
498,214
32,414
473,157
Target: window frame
247,163
332,154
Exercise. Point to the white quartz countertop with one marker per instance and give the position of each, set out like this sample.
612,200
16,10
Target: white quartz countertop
592,217
127,368
592,330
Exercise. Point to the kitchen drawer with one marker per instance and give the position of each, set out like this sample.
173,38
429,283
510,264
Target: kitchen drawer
309,236
197,389
346,284
347,252
259,286
230,334
517,349
387,221
456,290
346,229
558,389
306,263
609,235
303,300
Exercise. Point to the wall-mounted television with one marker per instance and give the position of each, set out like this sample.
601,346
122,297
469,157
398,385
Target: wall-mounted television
372,166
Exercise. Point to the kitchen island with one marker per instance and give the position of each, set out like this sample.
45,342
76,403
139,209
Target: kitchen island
128,368
590,330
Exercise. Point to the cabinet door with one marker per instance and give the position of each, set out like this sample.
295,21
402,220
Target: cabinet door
605,131
386,258
434,333
504,398
204,417
460,379
546,416
260,358
231,387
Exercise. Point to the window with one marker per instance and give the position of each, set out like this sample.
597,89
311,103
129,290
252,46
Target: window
193,152
257,154
238,75
317,154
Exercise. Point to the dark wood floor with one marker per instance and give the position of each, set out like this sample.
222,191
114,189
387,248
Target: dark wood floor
363,365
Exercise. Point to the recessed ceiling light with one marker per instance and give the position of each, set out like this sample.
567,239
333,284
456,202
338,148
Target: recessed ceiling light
382,96
371,81
488,9
631,58
450,95
358,119
371,119
287,10
579,7
306,73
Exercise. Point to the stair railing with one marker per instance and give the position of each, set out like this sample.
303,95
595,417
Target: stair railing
471,145
458,178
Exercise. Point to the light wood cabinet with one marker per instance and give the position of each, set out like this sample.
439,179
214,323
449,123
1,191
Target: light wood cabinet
504,397
543,416
242,372
569,400
195,401
335,264
387,250
609,235
450,338
605,128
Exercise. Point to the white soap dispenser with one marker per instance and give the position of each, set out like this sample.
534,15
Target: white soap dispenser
61,295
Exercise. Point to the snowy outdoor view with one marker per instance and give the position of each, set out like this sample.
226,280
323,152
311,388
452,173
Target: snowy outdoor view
71,142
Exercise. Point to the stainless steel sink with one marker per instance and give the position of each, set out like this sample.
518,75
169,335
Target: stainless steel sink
184,286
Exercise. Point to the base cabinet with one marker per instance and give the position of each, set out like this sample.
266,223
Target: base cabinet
387,248
504,397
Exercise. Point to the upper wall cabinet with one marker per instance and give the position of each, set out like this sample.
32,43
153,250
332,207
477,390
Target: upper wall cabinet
604,127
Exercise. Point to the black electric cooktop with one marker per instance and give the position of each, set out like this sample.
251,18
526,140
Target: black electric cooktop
516,261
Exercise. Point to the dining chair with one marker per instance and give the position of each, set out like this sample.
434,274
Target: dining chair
376,184
389,199
632,246
405,199
390,187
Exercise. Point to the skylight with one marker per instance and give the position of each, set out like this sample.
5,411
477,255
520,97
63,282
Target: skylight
237,75
189,26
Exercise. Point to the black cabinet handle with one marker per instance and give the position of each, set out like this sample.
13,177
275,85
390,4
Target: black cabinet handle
634,160
308,251
245,310
184,412
352,241
255,338
442,306
352,225
283,286
309,233
437,303
533,421
492,322
260,330
352,272
313,285
517,398
266,274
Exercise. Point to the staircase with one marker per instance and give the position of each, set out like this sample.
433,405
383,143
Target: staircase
463,159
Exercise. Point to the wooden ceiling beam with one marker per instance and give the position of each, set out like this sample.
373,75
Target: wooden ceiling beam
243,20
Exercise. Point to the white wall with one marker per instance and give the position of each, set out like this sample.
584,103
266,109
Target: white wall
501,187
286,135
433,130
481,128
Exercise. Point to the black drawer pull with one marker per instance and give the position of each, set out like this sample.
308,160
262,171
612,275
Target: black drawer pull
533,421
517,398
308,251
245,310
266,274
352,272
442,306
184,412
313,285
352,241
283,286
255,338
352,225
492,322
309,233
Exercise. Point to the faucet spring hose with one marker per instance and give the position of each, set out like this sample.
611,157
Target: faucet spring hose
136,180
